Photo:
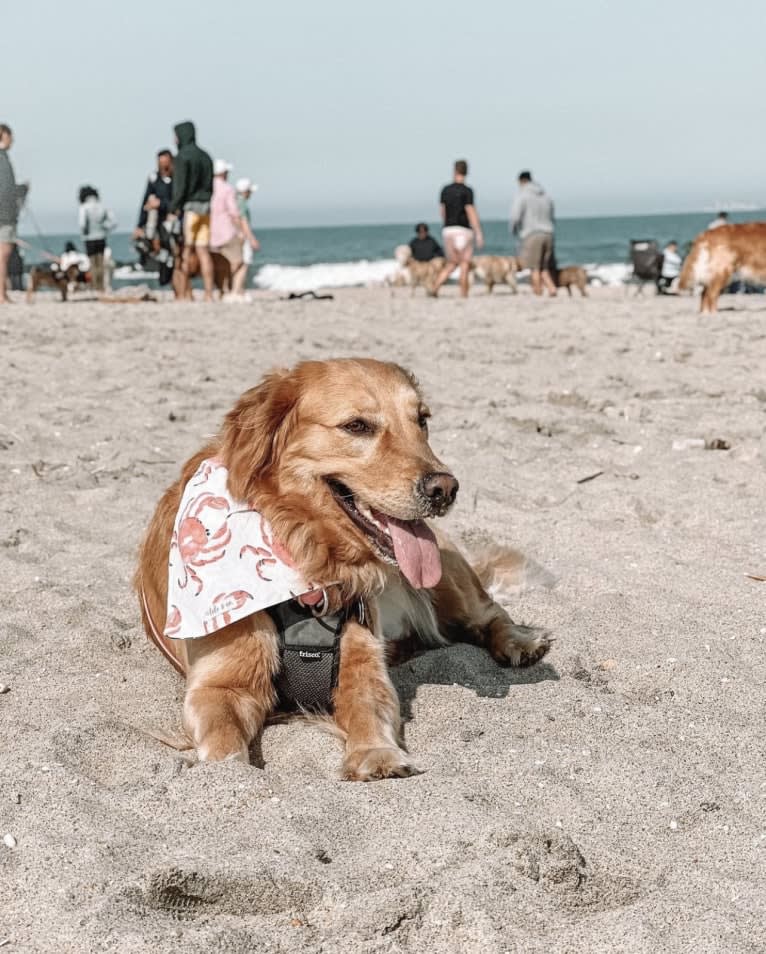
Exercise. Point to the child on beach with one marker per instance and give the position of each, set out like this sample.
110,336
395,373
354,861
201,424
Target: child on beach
671,267
96,222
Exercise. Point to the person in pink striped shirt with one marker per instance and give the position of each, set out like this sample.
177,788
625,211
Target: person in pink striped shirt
226,228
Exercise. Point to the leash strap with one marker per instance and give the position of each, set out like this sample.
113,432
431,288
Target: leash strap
310,653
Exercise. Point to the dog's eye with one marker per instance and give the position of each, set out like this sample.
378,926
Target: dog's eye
423,420
358,426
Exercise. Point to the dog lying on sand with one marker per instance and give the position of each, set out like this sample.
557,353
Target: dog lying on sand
496,270
572,275
414,273
718,254
330,463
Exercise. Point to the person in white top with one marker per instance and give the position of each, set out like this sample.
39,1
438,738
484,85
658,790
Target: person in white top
671,267
721,219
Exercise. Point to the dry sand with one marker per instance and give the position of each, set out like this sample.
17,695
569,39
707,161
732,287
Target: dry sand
608,800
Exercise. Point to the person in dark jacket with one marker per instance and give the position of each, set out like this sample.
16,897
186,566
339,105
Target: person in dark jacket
424,247
192,190
153,242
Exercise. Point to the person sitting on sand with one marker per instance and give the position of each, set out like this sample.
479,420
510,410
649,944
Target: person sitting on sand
671,267
721,219
461,229
71,256
424,246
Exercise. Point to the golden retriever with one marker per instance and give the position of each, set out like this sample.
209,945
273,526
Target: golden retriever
496,269
417,273
718,253
335,455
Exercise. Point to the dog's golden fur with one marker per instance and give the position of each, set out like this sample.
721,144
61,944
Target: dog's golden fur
282,442
496,270
221,271
718,254
572,275
416,273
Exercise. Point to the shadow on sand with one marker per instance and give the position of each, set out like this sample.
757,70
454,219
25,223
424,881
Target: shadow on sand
466,666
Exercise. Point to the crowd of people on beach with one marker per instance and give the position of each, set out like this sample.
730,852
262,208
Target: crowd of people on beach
193,222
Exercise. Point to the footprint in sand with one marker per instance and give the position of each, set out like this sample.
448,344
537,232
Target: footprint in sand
185,893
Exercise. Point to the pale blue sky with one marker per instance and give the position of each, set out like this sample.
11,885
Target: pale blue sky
353,112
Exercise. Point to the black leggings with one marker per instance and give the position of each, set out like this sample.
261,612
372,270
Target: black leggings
95,249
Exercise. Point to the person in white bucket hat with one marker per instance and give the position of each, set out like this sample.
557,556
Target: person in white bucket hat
226,227
245,188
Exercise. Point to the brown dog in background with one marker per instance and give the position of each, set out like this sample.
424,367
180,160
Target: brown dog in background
335,455
572,275
718,254
42,276
221,271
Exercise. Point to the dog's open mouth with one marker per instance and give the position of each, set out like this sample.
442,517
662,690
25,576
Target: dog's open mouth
408,543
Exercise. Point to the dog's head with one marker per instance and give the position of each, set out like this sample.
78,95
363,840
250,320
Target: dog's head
402,254
336,455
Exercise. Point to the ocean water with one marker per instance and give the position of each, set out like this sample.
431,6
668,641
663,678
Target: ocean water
296,259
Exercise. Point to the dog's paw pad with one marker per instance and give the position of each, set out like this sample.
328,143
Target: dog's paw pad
367,765
521,646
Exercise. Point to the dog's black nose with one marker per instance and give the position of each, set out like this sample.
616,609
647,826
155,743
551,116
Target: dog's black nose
440,489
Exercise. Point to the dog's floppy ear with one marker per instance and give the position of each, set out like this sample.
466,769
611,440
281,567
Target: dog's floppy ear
256,430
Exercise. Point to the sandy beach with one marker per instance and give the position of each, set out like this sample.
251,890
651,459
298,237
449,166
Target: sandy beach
611,799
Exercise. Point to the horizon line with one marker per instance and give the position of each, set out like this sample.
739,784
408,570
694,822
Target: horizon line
559,218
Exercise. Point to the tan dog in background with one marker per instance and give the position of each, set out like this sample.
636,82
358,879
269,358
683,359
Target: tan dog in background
718,254
496,270
572,275
417,273
335,455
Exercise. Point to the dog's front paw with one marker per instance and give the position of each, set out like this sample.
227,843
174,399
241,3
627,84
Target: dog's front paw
520,645
367,765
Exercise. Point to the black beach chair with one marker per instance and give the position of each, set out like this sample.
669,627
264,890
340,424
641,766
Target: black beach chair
646,258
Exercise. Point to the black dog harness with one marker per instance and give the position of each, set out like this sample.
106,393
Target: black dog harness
309,646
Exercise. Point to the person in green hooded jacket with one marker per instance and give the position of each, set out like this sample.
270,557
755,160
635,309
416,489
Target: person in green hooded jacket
192,190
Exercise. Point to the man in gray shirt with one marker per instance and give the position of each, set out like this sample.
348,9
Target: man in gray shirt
532,221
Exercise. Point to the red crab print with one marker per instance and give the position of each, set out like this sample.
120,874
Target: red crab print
232,601
173,622
204,471
196,544
272,553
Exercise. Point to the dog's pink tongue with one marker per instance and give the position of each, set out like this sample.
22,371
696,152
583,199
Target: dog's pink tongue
417,552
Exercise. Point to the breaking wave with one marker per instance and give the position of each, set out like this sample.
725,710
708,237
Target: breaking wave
365,273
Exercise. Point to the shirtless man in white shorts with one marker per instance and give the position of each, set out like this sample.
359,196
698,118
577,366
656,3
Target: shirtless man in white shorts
461,229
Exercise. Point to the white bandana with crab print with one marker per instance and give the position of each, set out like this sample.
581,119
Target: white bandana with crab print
224,561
